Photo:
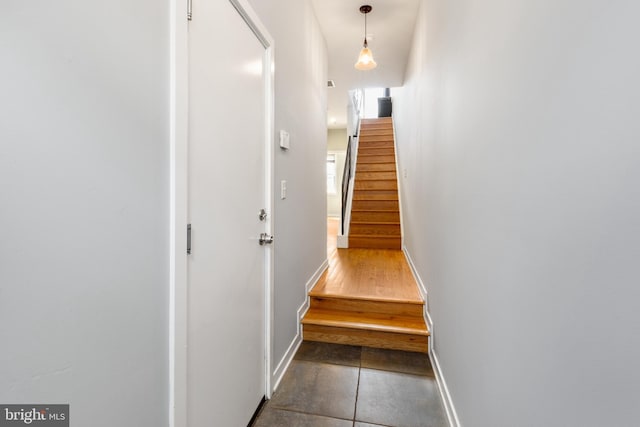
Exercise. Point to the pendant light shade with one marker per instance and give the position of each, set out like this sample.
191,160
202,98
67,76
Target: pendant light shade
365,60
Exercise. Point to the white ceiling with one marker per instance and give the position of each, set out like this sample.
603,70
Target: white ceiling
389,30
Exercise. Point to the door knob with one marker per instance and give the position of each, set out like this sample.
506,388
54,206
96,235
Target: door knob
265,239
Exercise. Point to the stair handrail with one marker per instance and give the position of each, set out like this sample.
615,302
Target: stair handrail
346,178
355,110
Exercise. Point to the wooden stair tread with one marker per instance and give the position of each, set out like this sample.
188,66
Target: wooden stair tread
376,210
380,237
324,295
366,321
376,222
376,195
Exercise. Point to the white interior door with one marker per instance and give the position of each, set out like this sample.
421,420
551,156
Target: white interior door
228,186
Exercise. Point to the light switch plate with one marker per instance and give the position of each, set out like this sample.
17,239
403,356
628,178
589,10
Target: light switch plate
284,140
283,189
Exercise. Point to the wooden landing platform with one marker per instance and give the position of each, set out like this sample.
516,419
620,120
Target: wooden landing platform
374,274
367,297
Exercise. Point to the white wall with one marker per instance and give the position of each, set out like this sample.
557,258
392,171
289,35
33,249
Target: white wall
518,128
301,109
83,208
337,141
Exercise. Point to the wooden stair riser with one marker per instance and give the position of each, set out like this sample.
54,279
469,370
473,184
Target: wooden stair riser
377,339
375,216
376,136
375,242
370,167
387,184
376,195
380,125
377,120
367,306
375,205
374,229
366,159
366,143
375,175
377,151
371,139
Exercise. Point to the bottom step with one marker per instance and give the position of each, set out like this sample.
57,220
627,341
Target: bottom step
407,333
366,338
374,242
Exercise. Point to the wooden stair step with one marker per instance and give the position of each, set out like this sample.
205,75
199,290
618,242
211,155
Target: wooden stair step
375,242
377,120
376,129
375,159
397,307
408,333
366,144
366,139
381,166
368,123
377,229
359,337
383,184
375,205
375,216
376,195
366,321
383,134
378,125
366,338
375,175
376,151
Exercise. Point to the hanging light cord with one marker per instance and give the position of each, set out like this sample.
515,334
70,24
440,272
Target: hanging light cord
365,30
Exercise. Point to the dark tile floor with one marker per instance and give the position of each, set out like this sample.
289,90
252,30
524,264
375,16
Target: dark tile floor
330,385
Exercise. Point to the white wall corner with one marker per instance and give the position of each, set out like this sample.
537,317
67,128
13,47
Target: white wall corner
284,363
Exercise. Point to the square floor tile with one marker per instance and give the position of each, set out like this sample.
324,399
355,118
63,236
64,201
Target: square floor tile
337,354
271,417
397,399
357,424
318,388
396,361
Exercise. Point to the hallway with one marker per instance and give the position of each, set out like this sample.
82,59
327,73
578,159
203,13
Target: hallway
333,385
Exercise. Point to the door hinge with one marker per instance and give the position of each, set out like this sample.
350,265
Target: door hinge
188,239
189,10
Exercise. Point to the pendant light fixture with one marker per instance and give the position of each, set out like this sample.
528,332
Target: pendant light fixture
365,60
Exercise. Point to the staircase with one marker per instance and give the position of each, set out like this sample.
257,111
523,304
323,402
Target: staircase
375,213
367,297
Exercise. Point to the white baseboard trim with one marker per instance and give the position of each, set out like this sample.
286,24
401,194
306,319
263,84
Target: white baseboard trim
316,276
284,363
450,410
421,287
278,373
412,266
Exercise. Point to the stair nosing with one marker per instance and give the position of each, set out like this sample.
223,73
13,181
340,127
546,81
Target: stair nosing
359,298
422,330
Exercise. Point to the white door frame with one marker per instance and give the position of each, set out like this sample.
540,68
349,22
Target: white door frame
179,130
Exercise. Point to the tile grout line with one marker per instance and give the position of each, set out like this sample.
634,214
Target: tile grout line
355,407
